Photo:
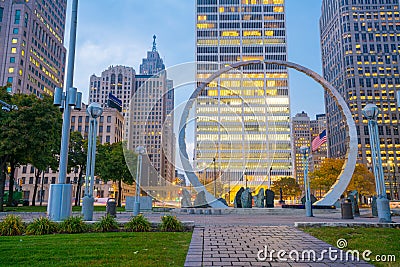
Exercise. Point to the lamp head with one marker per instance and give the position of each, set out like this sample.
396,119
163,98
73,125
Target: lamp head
371,111
94,110
140,150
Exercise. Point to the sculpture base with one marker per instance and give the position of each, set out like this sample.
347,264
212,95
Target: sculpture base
87,208
383,210
59,207
136,208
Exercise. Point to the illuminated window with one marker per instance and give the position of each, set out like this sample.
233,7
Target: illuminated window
10,70
20,72
221,9
251,33
205,26
13,50
201,17
230,33
23,53
269,33
14,40
278,9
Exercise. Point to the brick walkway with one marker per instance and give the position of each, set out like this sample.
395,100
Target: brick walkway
240,245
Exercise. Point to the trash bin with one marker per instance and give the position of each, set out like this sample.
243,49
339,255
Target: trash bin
347,209
111,207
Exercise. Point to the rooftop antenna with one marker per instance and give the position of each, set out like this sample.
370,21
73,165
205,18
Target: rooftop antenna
154,43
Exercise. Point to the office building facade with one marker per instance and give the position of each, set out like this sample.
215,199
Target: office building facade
243,117
360,42
32,52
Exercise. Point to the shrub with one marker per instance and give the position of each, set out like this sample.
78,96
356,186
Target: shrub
73,225
42,226
106,224
170,224
12,225
138,224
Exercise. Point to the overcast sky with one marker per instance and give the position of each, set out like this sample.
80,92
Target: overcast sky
119,32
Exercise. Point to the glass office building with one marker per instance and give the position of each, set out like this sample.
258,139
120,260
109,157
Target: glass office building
360,43
243,117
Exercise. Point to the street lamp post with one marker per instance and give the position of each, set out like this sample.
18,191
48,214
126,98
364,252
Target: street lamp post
215,178
60,195
94,111
371,112
389,169
140,150
308,205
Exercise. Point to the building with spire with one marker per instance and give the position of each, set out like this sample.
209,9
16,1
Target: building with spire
153,63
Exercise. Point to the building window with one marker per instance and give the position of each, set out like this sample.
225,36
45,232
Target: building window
73,119
30,180
53,180
108,119
15,30
24,169
108,139
32,169
17,17
108,129
80,119
1,14
14,40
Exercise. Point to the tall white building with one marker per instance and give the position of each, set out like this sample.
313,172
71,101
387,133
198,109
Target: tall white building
243,117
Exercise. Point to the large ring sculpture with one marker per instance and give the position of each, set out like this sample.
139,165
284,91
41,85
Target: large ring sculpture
344,178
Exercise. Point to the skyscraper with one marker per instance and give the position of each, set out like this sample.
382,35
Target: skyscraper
304,131
32,53
317,126
360,42
301,137
243,116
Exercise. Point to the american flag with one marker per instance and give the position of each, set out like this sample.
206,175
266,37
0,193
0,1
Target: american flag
319,140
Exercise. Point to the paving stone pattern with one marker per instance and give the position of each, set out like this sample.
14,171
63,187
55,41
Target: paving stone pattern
239,246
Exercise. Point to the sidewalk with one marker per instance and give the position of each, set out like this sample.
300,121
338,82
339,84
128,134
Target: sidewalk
259,246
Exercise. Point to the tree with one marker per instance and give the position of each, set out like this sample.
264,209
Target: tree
77,157
326,175
363,181
112,164
290,188
44,123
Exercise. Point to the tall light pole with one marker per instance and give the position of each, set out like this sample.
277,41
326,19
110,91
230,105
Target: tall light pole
140,150
215,178
389,170
371,112
60,195
94,111
308,205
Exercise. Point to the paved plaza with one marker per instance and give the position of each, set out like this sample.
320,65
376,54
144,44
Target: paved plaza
259,246
237,239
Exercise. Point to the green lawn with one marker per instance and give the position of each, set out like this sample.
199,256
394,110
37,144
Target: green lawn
381,241
44,208
94,249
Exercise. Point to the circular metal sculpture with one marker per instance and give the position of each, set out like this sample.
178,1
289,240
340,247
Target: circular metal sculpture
350,159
